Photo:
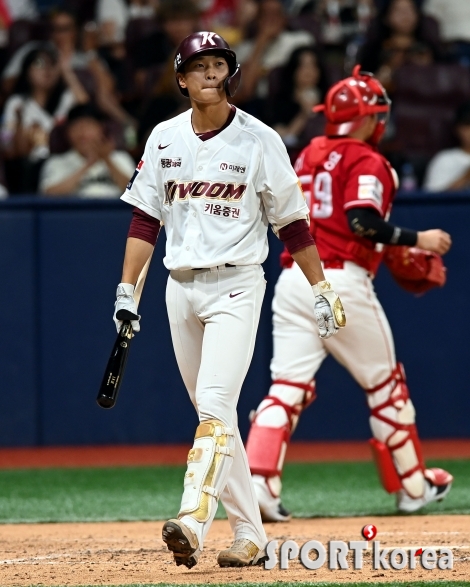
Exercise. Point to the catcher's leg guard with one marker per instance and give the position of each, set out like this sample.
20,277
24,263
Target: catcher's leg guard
207,468
272,426
396,445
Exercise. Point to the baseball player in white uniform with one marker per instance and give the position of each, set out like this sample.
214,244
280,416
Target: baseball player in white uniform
215,177
350,187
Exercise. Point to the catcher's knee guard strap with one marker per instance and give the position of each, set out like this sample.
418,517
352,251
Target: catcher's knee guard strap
308,398
396,445
272,426
213,443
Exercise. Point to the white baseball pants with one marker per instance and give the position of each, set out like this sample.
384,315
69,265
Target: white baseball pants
365,347
214,315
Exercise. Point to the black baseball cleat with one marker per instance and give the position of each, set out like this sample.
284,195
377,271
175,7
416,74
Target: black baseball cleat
182,542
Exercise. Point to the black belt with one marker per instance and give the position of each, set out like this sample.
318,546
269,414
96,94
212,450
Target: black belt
201,268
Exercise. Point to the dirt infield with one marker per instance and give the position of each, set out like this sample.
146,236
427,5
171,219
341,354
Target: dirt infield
133,552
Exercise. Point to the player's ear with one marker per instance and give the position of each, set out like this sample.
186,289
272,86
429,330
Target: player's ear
180,80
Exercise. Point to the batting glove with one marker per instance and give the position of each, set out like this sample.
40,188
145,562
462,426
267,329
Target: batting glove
125,307
329,311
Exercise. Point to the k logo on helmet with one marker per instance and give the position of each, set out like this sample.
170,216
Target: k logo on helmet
208,38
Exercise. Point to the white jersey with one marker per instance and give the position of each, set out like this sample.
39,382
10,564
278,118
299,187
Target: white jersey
216,197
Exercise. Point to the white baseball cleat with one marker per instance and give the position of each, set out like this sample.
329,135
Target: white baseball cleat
242,553
270,506
182,542
437,485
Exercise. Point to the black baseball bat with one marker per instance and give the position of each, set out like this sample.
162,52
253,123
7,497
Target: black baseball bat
114,371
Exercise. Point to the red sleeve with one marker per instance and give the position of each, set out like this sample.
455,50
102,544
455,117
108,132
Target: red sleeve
369,183
144,227
296,236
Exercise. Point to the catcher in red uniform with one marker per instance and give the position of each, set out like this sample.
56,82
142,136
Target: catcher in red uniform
350,188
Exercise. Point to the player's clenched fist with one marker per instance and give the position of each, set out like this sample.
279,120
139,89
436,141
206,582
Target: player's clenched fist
329,311
125,307
435,240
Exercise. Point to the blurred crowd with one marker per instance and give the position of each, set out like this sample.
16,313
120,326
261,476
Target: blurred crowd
83,82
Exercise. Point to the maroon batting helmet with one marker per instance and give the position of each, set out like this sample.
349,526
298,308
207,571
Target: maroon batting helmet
204,42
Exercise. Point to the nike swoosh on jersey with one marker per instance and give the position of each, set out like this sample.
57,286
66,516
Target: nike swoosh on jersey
160,147
235,295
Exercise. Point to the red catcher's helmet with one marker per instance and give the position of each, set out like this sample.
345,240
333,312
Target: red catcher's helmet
349,101
205,42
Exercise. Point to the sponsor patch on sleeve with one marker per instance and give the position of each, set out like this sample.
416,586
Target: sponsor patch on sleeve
370,188
136,173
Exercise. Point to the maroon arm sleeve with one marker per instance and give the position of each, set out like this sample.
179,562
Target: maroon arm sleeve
296,236
144,226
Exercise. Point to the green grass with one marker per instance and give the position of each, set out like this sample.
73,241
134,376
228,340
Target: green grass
353,489
154,493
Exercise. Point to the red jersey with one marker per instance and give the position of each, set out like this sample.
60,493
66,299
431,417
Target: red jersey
336,175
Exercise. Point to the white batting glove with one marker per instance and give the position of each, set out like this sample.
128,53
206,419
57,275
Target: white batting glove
125,307
329,311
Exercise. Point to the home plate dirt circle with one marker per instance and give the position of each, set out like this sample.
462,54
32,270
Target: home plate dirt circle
133,552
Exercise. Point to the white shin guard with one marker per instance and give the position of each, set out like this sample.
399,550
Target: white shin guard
209,463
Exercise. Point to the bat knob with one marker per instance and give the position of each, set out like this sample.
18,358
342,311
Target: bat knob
105,401
125,315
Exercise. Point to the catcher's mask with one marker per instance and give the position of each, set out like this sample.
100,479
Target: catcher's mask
208,42
349,101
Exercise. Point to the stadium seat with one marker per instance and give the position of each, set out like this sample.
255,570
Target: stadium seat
425,100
